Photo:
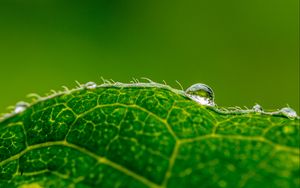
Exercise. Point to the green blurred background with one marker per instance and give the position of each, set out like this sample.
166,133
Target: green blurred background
247,51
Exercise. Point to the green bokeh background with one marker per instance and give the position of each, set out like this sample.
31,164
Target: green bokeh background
247,51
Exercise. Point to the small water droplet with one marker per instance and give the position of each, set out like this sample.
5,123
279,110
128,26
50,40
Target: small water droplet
90,85
20,107
257,108
288,112
201,93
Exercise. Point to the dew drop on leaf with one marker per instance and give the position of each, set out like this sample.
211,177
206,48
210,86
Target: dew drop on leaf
201,93
20,107
257,108
90,85
288,112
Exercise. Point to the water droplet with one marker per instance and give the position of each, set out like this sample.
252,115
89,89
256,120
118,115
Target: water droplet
20,107
201,93
288,112
90,85
257,108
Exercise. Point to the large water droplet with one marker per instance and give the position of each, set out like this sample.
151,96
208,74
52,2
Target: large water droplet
201,93
20,107
90,85
257,108
288,112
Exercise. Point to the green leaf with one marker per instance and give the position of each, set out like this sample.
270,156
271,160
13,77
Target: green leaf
144,135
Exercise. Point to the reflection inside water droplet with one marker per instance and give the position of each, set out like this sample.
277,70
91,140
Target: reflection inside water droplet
20,107
201,93
257,108
288,112
90,85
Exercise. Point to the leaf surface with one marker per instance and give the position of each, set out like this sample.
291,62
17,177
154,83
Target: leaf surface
144,136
